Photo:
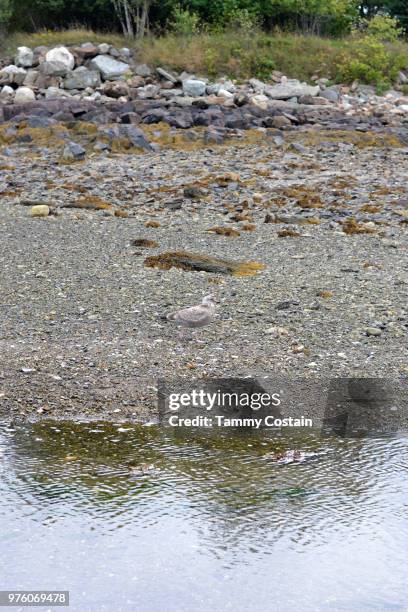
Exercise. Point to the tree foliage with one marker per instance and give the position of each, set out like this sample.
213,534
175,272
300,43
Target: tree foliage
136,17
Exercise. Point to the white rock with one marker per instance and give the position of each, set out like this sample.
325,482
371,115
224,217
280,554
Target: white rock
104,48
260,101
13,74
24,94
109,67
40,210
24,57
224,93
7,94
61,54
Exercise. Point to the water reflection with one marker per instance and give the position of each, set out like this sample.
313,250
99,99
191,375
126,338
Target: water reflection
223,498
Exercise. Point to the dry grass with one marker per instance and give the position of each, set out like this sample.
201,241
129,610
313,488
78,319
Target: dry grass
50,38
234,54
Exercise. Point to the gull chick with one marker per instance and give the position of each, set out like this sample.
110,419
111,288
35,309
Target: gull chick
196,316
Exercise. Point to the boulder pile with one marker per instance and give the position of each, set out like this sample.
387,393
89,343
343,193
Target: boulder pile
99,75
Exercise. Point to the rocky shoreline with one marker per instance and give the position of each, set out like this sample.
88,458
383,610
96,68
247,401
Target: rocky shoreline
98,196
70,83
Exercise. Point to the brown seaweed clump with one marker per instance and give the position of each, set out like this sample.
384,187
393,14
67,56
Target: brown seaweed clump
191,262
288,233
145,243
89,202
350,227
224,231
325,294
154,224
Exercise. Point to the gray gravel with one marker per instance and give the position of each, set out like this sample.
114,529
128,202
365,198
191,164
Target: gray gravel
81,318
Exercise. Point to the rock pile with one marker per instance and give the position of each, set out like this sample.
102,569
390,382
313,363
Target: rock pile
106,85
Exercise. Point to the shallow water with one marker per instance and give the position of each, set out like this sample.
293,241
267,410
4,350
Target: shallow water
137,518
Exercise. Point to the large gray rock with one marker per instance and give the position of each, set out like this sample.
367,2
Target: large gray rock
331,93
31,78
109,67
12,74
292,88
135,137
148,92
54,93
61,54
194,88
24,57
54,68
257,85
81,78
143,70
24,94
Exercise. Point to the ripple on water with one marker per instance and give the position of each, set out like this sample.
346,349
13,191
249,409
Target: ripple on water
225,494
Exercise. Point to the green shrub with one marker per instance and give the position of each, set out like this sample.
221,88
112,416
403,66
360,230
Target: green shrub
242,20
184,22
384,28
371,61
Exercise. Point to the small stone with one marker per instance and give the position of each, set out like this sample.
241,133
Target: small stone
167,75
280,121
41,210
373,331
73,151
271,331
194,193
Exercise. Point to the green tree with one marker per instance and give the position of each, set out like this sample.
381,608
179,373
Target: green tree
5,15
